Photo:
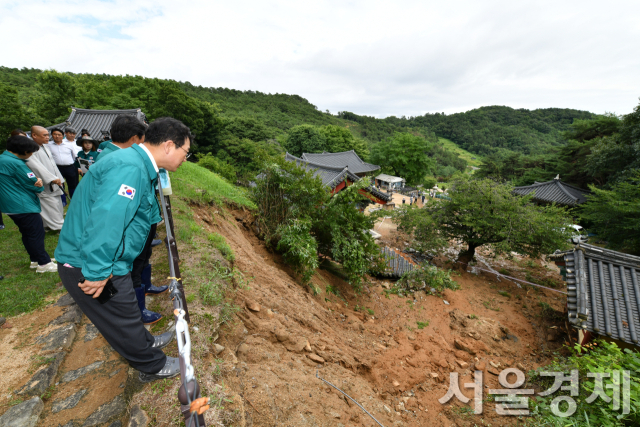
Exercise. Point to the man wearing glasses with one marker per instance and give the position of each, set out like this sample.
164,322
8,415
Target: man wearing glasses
127,131
106,228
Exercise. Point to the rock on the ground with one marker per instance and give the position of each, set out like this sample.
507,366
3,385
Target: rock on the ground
315,358
243,350
116,423
480,366
459,344
105,412
25,414
493,371
72,314
217,348
2,321
462,364
42,379
60,338
282,335
138,418
65,300
91,332
298,345
252,305
74,375
69,402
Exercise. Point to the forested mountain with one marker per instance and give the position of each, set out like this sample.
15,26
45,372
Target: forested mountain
484,130
237,126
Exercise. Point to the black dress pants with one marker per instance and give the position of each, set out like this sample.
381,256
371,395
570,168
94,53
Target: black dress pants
32,230
70,174
118,320
143,259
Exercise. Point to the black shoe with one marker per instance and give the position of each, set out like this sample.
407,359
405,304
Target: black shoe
163,340
171,369
155,242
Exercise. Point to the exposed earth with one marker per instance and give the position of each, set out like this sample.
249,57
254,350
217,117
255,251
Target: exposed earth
393,354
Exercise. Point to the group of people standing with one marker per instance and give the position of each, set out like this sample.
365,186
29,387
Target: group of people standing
105,241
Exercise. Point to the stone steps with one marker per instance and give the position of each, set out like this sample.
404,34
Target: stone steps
82,381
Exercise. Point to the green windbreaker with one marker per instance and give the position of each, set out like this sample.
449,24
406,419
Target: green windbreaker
109,220
18,194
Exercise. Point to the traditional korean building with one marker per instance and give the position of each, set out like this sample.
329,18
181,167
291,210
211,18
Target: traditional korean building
97,122
554,191
338,178
344,159
603,292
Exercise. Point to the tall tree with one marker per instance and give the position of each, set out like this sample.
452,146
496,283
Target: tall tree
12,114
305,139
482,212
615,214
406,155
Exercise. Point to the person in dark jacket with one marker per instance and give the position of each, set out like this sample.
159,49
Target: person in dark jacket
19,188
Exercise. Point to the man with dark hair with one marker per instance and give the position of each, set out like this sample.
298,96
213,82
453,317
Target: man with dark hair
70,138
125,131
18,199
65,157
121,190
44,166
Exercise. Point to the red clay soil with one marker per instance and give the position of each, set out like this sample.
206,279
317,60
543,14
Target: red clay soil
370,344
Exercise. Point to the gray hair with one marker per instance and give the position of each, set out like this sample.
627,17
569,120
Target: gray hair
69,129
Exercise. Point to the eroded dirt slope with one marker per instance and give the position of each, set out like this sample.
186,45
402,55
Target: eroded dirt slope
371,344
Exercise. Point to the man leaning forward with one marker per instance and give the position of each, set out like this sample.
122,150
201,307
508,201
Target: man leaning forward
106,228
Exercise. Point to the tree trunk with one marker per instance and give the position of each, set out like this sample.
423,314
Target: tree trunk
465,257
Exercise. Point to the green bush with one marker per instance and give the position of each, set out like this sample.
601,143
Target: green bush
427,277
290,200
218,166
600,357
298,247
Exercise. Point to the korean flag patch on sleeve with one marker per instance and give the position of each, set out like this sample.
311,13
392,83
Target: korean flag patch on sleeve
126,191
31,175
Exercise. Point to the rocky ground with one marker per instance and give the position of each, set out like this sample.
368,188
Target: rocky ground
392,354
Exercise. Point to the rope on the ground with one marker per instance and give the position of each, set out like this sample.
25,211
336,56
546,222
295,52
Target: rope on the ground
367,412
513,278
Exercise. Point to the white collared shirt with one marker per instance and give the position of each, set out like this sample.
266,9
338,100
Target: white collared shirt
63,154
72,144
146,150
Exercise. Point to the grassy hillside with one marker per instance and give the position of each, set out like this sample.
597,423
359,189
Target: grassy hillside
471,158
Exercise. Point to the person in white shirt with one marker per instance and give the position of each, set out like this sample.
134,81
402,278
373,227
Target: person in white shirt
65,157
42,164
70,138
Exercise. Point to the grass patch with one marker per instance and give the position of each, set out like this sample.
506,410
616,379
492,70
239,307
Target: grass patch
472,159
198,184
491,305
220,243
505,294
422,325
371,312
504,271
23,290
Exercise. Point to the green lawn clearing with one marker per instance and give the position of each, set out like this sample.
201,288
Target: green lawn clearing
472,159
23,290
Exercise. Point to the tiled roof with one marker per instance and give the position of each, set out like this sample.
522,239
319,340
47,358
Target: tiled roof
95,121
603,291
554,191
332,176
344,159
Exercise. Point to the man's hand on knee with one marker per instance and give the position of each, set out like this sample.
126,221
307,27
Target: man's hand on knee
93,288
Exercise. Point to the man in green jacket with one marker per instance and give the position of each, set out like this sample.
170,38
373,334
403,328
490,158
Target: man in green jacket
127,131
19,188
106,228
